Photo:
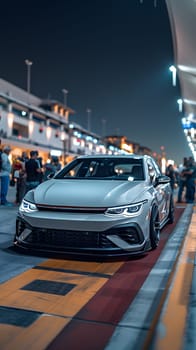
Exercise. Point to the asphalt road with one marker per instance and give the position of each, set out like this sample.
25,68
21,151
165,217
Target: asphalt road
112,306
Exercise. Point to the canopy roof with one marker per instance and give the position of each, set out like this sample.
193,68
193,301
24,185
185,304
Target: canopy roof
182,14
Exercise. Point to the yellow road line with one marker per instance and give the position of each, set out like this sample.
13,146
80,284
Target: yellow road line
173,320
98,267
12,294
56,310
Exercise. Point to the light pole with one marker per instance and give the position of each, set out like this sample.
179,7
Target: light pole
65,92
29,64
180,104
88,119
64,141
103,127
173,70
155,2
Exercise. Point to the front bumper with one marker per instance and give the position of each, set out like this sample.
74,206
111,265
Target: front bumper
123,239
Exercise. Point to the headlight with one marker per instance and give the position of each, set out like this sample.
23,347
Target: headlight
27,207
126,210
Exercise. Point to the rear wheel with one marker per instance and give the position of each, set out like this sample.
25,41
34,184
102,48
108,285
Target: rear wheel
154,228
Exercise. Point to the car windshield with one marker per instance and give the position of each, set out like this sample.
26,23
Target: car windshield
130,169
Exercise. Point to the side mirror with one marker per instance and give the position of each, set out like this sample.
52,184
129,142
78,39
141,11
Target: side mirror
162,179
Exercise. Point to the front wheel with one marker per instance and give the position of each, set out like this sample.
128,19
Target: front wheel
154,228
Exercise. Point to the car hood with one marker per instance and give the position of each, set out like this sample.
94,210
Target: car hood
88,193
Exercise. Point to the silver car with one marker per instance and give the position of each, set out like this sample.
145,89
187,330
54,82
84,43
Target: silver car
97,206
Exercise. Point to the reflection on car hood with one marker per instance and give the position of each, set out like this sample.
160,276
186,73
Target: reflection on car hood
87,193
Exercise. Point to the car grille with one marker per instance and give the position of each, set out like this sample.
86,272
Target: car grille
66,209
62,239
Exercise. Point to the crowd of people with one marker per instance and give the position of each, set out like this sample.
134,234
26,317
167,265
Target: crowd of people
26,172
184,179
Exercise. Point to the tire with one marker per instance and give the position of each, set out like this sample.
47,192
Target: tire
171,211
154,228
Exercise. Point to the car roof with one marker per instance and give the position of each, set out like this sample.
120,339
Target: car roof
113,156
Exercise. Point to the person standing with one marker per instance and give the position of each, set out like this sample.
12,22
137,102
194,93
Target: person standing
5,175
39,160
170,172
19,174
190,174
182,180
52,167
33,171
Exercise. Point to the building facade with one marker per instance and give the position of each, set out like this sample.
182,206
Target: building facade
30,123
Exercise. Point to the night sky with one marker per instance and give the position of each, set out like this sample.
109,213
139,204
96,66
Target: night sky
112,56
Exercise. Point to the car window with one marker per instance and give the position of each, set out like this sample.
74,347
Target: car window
104,168
130,170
